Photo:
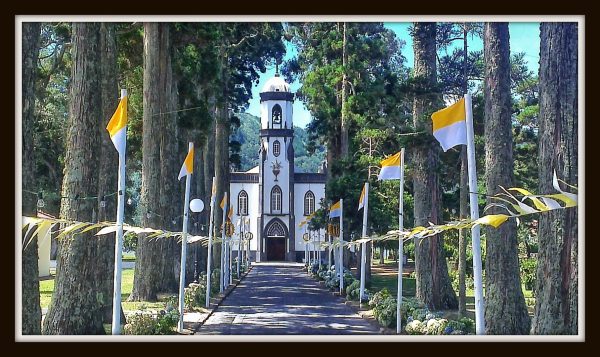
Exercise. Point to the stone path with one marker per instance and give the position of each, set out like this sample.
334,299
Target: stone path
280,299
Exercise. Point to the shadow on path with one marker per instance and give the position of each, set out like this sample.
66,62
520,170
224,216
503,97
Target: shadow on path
282,300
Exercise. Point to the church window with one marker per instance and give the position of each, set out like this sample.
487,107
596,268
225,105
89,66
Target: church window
276,230
243,203
276,199
276,116
276,148
309,203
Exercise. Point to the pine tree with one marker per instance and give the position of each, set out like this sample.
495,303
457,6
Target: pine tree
31,316
505,309
433,283
155,262
556,291
76,306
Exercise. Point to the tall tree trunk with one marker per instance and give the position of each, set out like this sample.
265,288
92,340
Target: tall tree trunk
433,283
221,159
556,289
31,313
208,156
154,263
108,164
170,163
505,309
76,306
344,124
199,251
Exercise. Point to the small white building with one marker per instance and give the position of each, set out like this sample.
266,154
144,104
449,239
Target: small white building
273,195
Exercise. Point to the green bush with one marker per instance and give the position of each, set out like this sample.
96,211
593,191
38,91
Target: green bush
385,312
150,323
353,290
195,295
528,269
384,307
378,297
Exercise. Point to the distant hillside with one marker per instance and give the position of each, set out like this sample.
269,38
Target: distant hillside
247,135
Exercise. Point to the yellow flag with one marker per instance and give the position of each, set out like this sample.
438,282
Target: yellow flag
450,125
117,126
188,164
361,201
390,168
335,210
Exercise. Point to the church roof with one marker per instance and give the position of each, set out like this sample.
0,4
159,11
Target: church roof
276,84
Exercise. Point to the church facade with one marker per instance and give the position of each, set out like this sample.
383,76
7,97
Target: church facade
273,196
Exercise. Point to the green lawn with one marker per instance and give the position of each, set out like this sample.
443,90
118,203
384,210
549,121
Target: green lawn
47,287
390,282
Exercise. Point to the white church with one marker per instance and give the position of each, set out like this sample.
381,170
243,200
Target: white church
273,195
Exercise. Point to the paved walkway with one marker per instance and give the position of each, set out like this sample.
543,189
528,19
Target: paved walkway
280,299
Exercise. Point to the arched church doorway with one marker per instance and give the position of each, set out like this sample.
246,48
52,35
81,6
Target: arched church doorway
276,234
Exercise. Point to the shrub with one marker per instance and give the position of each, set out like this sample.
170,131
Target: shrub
151,323
385,312
409,305
384,308
378,297
353,290
415,327
436,326
171,302
194,295
528,269
464,326
314,268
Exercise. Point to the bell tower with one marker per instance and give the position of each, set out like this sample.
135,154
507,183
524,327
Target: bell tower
276,167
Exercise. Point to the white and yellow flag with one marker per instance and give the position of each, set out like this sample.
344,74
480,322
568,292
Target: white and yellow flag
390,168
188,164
335,210
361,201
117,126
450,125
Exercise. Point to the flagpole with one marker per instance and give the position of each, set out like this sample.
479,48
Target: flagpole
400,242
116,311
230,260
328,250
223,245
239,251
341,246
210,235
478,282
186,208
363,253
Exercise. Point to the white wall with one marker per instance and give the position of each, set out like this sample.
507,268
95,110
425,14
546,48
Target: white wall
283,179
253,209
300,190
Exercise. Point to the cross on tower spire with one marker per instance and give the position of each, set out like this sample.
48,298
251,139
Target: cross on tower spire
276,68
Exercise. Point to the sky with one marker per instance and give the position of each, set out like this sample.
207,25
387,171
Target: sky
524,37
